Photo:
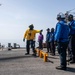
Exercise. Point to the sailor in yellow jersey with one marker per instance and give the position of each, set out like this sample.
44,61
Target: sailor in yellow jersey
30,36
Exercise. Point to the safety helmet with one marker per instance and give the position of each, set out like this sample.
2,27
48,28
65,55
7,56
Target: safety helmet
31,26
52,28
47,29
61,16
70,16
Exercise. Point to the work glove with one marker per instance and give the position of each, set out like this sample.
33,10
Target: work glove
23,39
70,26
55,42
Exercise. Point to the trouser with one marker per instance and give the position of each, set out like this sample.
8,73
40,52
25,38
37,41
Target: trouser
73,46
48,47
28,43
40,44
52,47
62,53
70,50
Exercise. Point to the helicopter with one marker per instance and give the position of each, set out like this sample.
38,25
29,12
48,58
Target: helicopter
0,4
70,12
67,12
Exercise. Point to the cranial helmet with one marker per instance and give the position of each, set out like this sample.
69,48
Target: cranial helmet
61,16
70,16
31,26
48,29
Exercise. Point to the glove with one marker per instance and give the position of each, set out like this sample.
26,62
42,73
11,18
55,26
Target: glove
55,42
70,26
23,39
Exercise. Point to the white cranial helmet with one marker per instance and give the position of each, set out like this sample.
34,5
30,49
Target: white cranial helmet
61,15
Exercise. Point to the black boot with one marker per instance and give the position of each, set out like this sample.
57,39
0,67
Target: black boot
34,54
26,53
61,68
72,61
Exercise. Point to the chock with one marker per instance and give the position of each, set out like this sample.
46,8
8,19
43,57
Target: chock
38,52
42,54
45,56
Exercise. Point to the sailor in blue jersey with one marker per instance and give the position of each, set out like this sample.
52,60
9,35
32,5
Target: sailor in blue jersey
52,41
61,37
48,41
72,34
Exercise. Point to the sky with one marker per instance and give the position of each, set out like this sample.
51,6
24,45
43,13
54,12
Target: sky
17,15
